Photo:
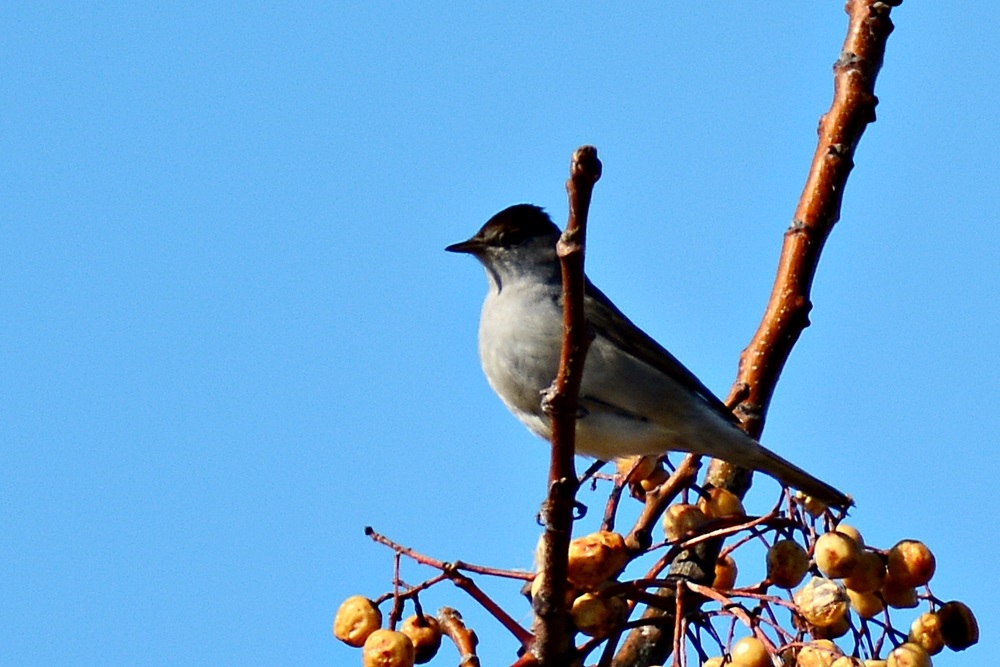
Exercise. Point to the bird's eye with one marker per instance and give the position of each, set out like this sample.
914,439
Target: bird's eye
510,237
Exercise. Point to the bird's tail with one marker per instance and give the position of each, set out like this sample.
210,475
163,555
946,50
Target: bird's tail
791,475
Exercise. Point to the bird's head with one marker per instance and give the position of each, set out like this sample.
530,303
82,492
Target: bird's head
519,241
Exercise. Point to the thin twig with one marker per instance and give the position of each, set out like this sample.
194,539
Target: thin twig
552,627
452,573
659,498
444,565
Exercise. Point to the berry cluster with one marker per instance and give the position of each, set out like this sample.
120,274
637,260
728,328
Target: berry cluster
359,623
825,601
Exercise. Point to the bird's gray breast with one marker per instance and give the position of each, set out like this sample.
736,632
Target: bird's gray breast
628,405
520,334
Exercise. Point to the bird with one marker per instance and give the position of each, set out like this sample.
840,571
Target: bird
635,397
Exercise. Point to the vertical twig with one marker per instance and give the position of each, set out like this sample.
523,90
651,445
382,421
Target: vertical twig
552,629
465,639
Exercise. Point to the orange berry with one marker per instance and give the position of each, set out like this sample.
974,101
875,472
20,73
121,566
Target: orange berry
657,477
836,554
681,519
908,655
911,563
424,634
637,468
926,631
897,596
868,574
719,503
750,652
958,625
387,648
787,563
596,615
822,602
819,653
595,558
356,618
867,605
725,573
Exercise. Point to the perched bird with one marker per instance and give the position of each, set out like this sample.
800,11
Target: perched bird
635,397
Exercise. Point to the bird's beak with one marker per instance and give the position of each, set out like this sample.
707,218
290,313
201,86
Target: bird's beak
473,246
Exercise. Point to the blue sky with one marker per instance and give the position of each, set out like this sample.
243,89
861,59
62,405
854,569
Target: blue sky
231,338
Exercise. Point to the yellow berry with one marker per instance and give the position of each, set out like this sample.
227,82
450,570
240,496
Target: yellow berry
387,648
851,532
725,573
719,503
897,596
911,563
356,618
425,635
867,605
926,631
657,477
837,629
595,558
908,655
787,563
637,468
681,519
596,615
820,653
750,652
836,554
811,505
822,602
868,574
847,661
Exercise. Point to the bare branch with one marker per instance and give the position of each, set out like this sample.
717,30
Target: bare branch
818,210
787,311
451,571
659,498
552,627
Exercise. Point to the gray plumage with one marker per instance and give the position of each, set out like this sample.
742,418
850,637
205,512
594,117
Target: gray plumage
635,397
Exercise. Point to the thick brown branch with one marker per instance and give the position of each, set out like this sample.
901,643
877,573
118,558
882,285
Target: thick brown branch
787,312
552,628
840,130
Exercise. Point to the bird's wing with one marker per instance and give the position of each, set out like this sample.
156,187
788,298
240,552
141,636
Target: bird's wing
611,323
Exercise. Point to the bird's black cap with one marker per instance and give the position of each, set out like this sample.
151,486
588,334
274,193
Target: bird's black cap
510,227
